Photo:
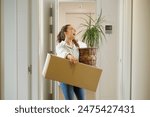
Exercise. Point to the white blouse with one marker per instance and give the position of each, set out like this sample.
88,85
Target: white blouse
63,49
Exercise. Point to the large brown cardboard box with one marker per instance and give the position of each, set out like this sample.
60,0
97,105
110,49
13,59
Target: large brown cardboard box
79,74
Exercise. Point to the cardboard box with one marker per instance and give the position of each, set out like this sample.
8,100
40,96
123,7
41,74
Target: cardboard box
79,74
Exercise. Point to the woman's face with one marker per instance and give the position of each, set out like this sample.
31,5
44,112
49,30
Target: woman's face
70,32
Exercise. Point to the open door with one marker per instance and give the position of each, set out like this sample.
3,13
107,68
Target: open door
15,49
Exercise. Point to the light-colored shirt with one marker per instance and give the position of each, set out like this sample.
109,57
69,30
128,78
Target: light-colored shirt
63,49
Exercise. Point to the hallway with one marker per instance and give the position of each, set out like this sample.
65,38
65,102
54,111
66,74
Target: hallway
31,33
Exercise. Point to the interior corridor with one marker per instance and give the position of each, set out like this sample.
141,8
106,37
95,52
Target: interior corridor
31,33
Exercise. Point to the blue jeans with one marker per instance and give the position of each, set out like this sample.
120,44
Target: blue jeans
69,90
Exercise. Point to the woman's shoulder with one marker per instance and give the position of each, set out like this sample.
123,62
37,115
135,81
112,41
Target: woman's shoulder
61,44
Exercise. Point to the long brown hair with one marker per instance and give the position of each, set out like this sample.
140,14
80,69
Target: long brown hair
61,35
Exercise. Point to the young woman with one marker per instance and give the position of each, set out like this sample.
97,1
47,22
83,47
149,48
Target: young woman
68,48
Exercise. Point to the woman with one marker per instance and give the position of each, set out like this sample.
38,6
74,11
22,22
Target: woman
68,48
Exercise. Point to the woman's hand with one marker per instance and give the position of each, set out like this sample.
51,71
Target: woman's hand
72,59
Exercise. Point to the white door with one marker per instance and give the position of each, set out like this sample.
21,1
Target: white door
24,67
16,56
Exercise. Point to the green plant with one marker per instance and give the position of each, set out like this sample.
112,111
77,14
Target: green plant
93,31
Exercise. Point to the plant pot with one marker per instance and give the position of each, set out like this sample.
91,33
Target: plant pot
87,56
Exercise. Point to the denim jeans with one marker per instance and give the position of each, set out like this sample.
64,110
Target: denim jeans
69,91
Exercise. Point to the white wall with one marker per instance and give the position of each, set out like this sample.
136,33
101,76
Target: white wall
73,8
141,50
71,13
108,52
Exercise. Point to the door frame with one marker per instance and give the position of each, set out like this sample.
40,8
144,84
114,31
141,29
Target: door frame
1,86
125,50
35,36
1,52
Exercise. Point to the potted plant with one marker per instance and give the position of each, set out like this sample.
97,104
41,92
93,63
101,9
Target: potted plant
92,36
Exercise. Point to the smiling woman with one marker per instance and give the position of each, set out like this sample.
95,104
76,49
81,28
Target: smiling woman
70,12
68,48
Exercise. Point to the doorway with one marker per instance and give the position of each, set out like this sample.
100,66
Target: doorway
72,13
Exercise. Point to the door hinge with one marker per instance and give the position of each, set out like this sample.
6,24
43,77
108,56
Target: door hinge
51,13
30,69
